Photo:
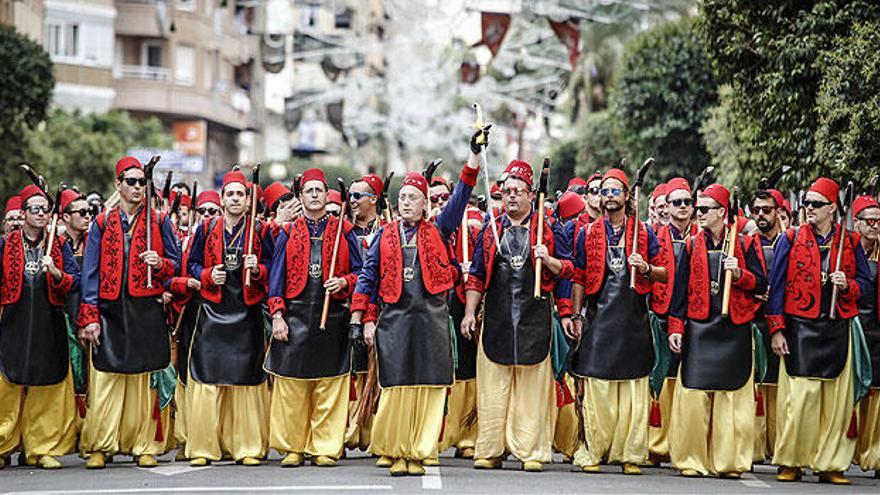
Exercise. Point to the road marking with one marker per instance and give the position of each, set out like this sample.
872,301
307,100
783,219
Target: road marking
432,480
751,481
211,489
173,469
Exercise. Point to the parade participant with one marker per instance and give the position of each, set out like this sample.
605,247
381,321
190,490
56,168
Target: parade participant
866,212
183,211
37,411
311,365
363,198
13,217
814,394
675,233
439,194
207,206
124,322
409,273
279,207
617,354
225,365
766,207
712,420
785,217
516,409
659,208
593,199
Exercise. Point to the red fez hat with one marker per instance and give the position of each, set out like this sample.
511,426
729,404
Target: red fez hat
185,200
234,176
787,205
313,174
208,197
374,182
596,176
676,183
333,196
68,196
274,192
125,163
576,182
440,181
29,192
864,202
719,193
416,180
826,187
519,169
777,196
616,173
660,190
475,214
495,190
570,204
12,204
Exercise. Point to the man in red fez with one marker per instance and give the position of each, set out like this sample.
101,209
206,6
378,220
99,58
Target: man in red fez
712,418
311,365
614,361
207,205
124,321
513,360
814,395
593,198
439,192
13,217
230,324
658,211
37,411
410,273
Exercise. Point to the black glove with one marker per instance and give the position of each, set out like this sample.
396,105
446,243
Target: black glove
356,336
476,148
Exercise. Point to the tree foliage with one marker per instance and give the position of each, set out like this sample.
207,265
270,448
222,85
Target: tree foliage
26,82
661,96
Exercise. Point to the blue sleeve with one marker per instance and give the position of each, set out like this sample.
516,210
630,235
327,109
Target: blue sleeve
477,261
678,303
778,277
70,265
267,251
170,244
278,270
449,220
753,263
580,253
562,251
196,260
354,252
368,278
863,272
653,244
91,266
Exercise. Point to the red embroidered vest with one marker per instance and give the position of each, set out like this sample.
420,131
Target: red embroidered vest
213,256
661,294
438,272
13,272
112,254
595,247
547,280
804,282
742,304
299,248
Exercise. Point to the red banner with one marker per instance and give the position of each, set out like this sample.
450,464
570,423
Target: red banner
570,36
495,27
470,72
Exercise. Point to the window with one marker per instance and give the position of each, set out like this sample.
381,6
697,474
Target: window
309,15
151,54
186,5
185,65
343,18
62,40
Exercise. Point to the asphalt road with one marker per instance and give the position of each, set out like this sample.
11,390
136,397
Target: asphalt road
357,474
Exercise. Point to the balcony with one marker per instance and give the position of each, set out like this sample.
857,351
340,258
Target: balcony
149,18
142,72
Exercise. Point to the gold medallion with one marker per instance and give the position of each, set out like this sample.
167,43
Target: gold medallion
409,274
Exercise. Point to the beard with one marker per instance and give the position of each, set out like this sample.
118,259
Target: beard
613,206
764,226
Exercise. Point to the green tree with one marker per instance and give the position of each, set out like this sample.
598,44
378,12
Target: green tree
662,94
767,52
599,148
848,104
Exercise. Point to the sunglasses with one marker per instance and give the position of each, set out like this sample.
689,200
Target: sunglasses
439,197
678,203
593,190
765,210
611,191
706,209
871,222
816,204
81,212
514,191
208,211
131,181
35,209
357,195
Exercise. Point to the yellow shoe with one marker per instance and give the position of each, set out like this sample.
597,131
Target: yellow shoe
591,468
833,477
431,461
198,461
2,462
788,474
384,462
323,461
533,467
293,459
414,468
690,473
96,461
49,462
250,461
465,453
399,468
731,475
487,463
30,460
633,469
181,454
147,461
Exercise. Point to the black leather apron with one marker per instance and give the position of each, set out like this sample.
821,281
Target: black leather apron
617,343
185,335
516,326
467,348
818,348
228,346
870,323
413,343
716,354
33,334
134,337
310,352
